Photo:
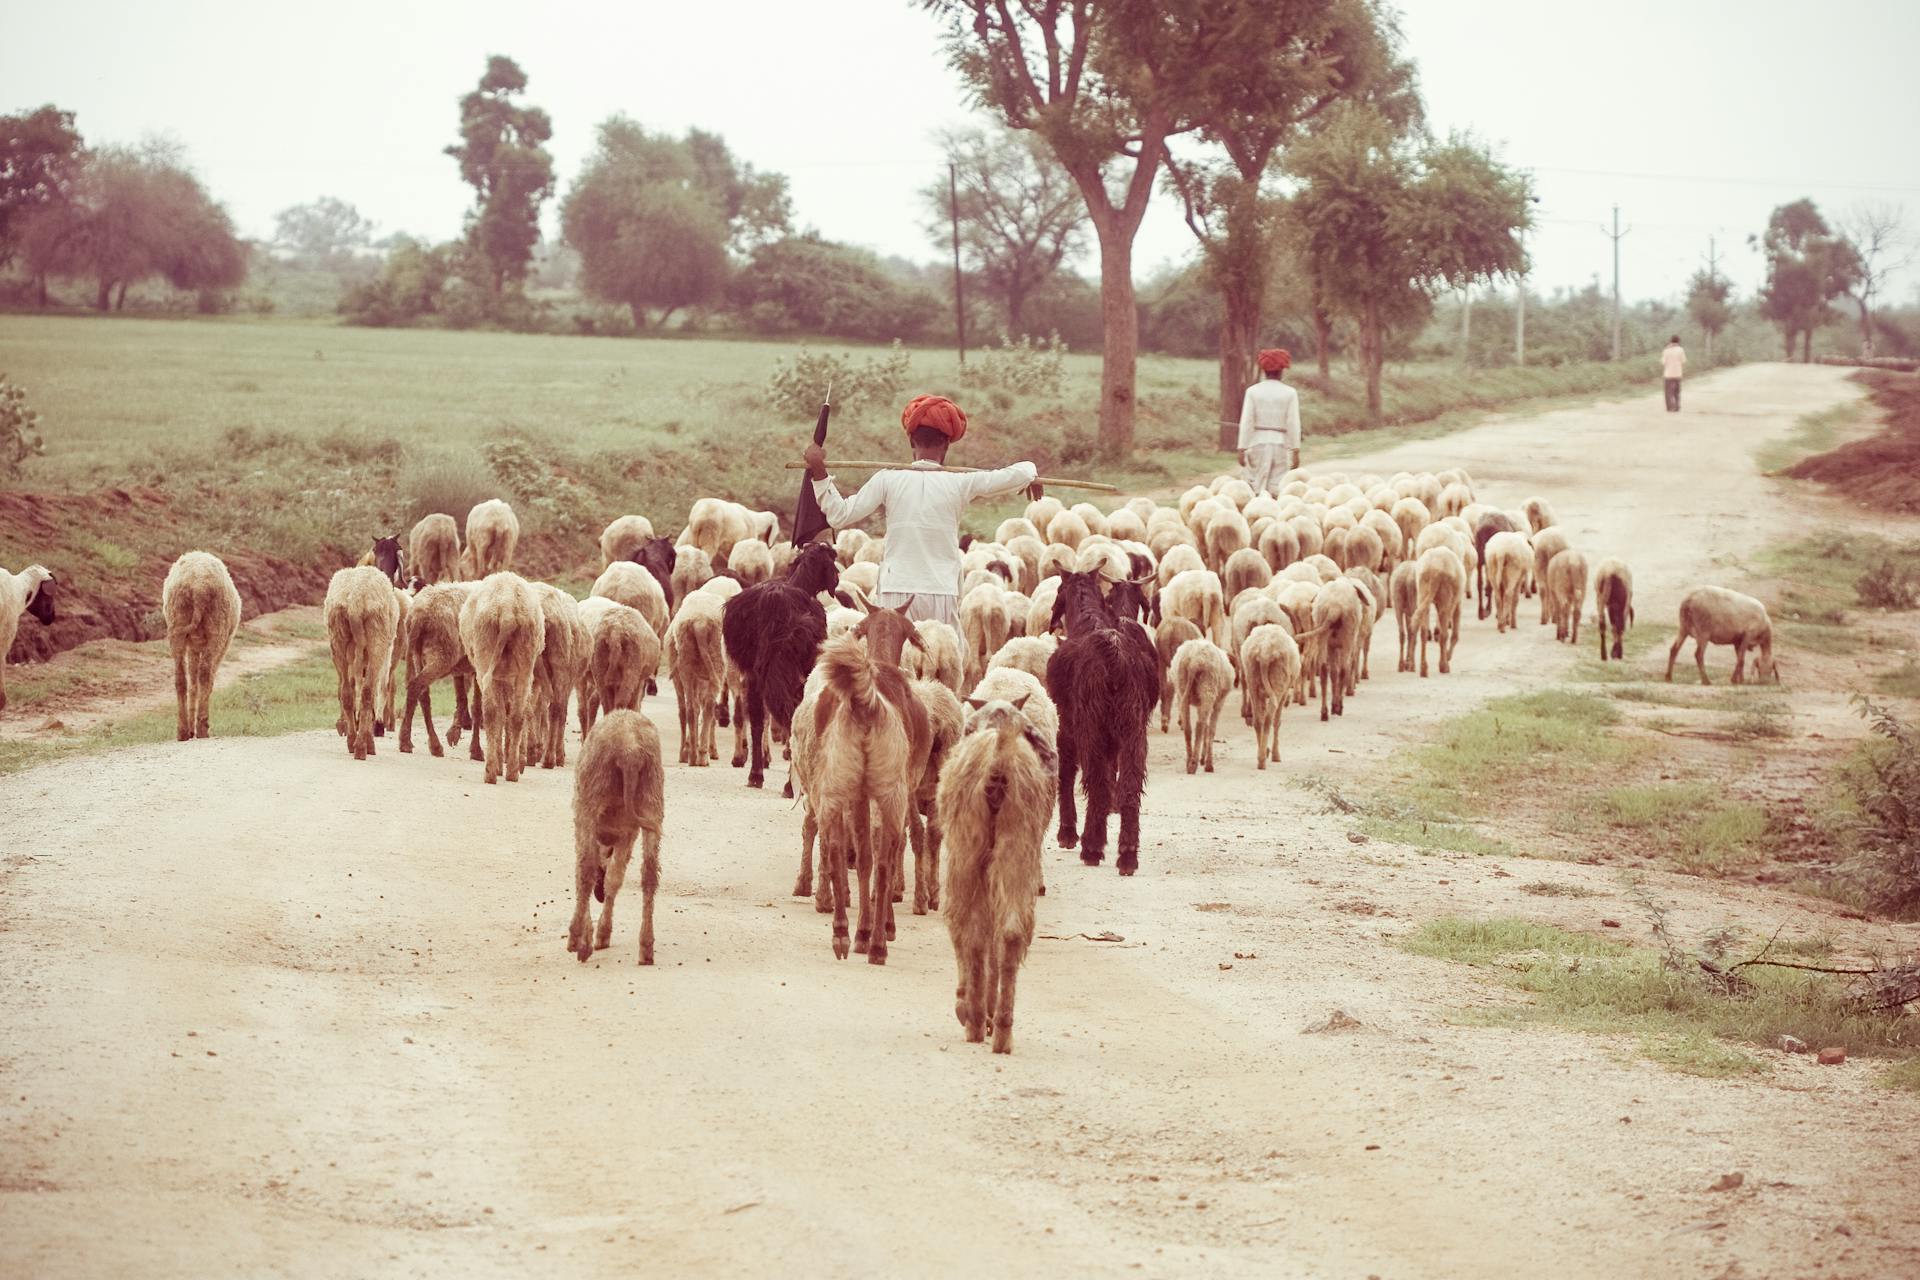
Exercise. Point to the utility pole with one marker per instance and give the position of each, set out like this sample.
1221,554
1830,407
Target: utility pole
959,287
1466,324
1713,277
1616,235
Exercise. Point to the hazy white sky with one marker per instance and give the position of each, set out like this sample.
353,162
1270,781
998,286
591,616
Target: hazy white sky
1696,116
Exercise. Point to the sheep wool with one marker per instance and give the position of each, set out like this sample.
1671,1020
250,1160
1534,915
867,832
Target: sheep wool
202,610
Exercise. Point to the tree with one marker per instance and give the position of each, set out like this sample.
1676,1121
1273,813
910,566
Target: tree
323,233
1807,267
1020,214
409,284
1876,233
653,216
503,157
40,158
1336,50
1709,304
1386,220
805,284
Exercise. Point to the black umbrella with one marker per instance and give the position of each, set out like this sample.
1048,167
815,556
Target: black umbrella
807,519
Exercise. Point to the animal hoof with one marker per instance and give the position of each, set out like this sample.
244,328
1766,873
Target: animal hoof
877,956
379,730
435,752
786,792
646,955
1093,859
755,781
840,946
184,735
1068,839
1043,891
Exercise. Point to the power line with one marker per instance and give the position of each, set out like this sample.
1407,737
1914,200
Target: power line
1725,181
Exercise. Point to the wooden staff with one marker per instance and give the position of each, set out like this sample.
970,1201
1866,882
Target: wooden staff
1051,482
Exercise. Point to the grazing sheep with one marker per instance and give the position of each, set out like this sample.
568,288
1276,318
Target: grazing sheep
493,531
1269,670
623,538
29,591
1443,587
202,609
1201,677
696,657
623,656
1104,680
751,561
1567,586
433,652
1196,595
1715,615
1612,602
503,631
1539,515
692,569
872,741
773,632
1547,543
1509,561
619,792
1404,589
1167,639
564,659
1025,653
433,550
362,616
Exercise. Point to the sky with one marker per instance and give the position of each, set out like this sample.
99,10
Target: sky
1696,117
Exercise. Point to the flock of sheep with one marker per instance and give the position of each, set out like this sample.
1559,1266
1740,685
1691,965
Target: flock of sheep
1075,624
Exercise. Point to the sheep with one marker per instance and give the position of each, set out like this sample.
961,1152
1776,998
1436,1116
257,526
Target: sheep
1715,615
1567,585
1104,681
1196,595
1612,602
872,744
1226,533
1336,622
692,569
995,796
493,532
624,536
1256,611
1041,511
1392,542
715,524
1269,670
619,792
1364,549
564,658
847,543
1124,525
751,561
1167,639
1099,556
1094,518
1067,529
29,591
1454,498
925,827
872,551
1279,545
1026,691
1015,527
1244,568
1539,515
773,632
1177,560
202,610
1404,590
1028,550
503,631
940,655
623,656
1443,586
1547,543
1201,677
861,578
1040,606
1024,653
433,652
1374,601
1509,561
433,550
637,587
1489,524
362,616
696,657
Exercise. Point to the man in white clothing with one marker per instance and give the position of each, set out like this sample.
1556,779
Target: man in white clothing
921,568
1270,424
1673,363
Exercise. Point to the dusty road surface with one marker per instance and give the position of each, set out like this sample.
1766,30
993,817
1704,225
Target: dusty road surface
268,1011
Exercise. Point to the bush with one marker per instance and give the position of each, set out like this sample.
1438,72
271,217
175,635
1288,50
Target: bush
20,437
1886,827
1025,367
556,502
796,387
1887,584
804,284
450,483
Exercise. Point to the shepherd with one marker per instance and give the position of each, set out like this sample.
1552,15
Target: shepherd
1270,424
921,568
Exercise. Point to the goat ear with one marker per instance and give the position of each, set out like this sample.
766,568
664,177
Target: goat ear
976,703
841,596
1021,701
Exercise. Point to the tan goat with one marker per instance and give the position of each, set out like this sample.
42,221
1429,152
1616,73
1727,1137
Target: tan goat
618,793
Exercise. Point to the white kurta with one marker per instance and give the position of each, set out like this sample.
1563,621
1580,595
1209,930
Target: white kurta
1270,414
923,507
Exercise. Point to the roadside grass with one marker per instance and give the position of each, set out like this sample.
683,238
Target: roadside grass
1902,682
1680,1020
1902,1075
1431,836
1824,575
1816,433
299,696
1553,889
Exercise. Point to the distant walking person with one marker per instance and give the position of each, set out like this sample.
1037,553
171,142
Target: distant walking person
1673,362
1270,425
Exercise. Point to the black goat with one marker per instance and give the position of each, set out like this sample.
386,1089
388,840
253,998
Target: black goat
656,557
773,632
1491,523
386,557
1104,680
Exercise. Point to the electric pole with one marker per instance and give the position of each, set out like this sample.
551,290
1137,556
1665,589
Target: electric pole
1616,235
1713,278
959,287
1466,324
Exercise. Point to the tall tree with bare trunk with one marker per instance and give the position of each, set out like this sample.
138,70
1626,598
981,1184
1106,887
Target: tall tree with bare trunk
1020,214
1878,234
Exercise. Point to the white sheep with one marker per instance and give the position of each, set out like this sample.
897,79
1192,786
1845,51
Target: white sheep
1202,677
1612,602
362,614
433,549
1269,672
29,591
1025,653
503,631
493,532
564,658
1567,585
1539,513
940,655
1509,562
1196,595
622,539
1443,586
202,609
619,788
1715,615
1547,543
692,570
751,561
696,657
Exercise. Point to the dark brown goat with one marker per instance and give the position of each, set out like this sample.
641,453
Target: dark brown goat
656,556
1104,679
773,632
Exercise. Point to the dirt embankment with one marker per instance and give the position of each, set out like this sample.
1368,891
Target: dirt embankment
1883,470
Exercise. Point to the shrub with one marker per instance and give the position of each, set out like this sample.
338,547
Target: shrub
1886,826
1887,584
449,483
555,501
804,284
20,437
1025,367
797,385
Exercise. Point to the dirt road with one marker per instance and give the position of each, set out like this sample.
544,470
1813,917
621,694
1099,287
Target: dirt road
269,1011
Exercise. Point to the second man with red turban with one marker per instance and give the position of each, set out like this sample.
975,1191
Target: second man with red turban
1270,424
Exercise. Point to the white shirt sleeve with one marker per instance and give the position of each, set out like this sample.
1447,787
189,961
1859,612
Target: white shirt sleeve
1246,419
988,484
841,512
1293,421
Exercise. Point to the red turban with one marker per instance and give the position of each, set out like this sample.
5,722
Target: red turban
938,412
1274,359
